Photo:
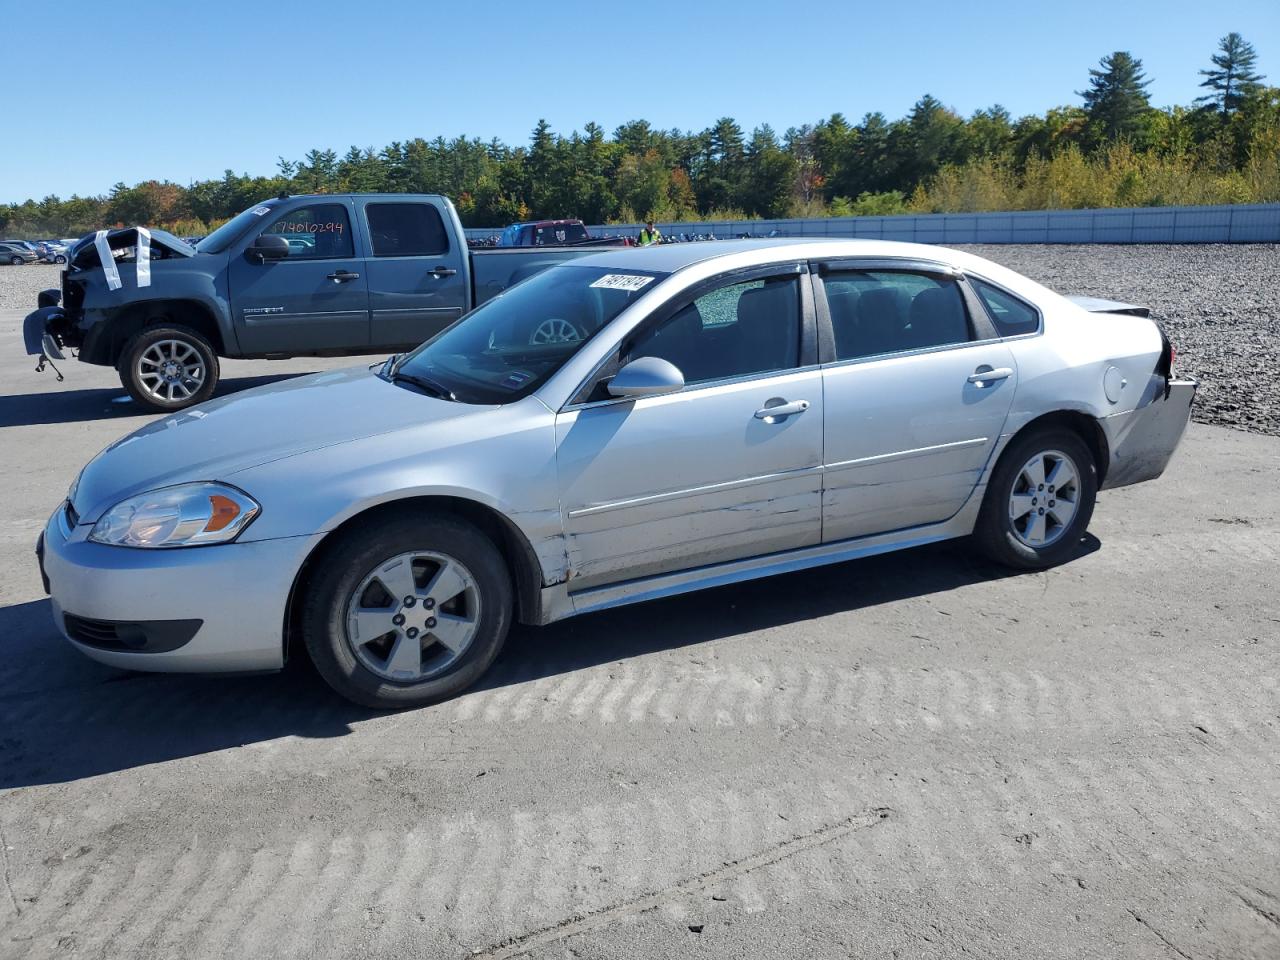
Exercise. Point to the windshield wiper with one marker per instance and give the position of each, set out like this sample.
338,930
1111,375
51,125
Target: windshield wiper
425,384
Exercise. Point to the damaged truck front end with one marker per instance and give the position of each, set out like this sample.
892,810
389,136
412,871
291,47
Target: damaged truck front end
100,269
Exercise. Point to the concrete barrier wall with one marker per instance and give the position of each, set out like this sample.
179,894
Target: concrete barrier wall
1255,223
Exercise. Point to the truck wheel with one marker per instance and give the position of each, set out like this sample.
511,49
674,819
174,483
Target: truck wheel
1039,501
405,611
168,368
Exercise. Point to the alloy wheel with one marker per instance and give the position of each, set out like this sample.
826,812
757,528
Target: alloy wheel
555,330
1044,498
413,616
171,370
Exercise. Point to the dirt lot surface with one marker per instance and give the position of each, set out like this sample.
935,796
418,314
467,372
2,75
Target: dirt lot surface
917,755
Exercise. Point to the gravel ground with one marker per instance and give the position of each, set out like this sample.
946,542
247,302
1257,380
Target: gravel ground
1219,303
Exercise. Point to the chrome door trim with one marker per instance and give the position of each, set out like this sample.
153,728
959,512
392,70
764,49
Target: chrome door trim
260,319
906,454
693,388
666,496
916,352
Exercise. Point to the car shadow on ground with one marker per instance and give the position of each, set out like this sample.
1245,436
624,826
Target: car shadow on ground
64,717
103,403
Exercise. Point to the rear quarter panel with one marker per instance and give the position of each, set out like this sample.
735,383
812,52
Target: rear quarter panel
1066,366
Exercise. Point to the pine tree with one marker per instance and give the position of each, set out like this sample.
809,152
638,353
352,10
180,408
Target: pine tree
1117,96
1233,78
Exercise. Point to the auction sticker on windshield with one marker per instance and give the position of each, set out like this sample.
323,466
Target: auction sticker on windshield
622,281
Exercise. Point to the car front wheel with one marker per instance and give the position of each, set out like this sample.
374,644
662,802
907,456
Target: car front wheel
16,261
1039,501
406,611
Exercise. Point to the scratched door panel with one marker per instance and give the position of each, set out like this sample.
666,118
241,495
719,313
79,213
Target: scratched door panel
907,436
694,478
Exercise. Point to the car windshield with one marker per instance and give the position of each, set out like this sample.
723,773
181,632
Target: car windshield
226,234
511,345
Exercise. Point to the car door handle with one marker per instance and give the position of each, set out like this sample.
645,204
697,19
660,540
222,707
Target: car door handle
778,409
439,272
342,276
986,376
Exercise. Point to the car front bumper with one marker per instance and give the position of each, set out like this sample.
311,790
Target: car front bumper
1143,441
196,609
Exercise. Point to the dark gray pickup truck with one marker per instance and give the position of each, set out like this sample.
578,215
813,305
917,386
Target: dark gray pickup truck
322,275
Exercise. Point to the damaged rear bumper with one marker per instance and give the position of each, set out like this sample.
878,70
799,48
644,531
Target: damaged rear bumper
1142,441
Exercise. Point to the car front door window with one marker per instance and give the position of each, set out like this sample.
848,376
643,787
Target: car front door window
741,329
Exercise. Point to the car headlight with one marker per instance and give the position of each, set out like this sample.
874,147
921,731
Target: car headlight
186,515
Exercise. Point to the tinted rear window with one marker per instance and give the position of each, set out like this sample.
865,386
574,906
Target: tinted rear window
406,230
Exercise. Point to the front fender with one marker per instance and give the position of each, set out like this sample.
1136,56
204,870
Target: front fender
38,332
504,462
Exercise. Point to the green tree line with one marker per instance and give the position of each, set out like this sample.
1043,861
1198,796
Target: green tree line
1113,148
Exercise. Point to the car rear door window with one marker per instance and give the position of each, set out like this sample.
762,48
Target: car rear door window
740,329
318,232
875,312
1012,317
406,230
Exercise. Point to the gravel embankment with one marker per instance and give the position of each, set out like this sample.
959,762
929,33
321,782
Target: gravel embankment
19,285
1219,303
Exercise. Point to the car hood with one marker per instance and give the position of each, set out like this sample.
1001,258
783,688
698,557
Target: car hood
217,439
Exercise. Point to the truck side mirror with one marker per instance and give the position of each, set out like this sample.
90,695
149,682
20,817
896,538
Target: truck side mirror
269,246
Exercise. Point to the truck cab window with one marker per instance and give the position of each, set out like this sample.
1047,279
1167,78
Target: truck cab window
318,232
406,230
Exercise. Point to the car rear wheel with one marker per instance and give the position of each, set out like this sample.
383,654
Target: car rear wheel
404,612
16,261
1039,501
59,259
168,368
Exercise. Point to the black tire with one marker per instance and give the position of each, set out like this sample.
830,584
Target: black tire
996,534
59,259
16,261
128,367
355,554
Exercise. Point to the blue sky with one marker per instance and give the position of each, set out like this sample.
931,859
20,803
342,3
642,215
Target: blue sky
181,91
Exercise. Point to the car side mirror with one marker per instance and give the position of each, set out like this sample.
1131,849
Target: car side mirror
647,377
269,246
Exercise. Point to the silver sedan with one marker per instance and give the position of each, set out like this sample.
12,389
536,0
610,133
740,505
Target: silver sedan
634,425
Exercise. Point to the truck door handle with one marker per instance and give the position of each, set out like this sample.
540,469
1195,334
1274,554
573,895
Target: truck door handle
986,376
342,276
439,272
777,409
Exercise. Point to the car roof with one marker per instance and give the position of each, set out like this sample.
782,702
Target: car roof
670,257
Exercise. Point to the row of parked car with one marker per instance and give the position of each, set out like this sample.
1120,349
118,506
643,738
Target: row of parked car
18,252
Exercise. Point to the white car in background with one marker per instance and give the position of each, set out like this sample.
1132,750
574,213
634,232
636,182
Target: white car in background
630,425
